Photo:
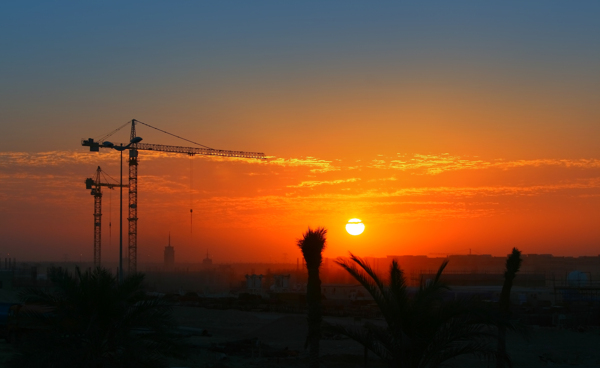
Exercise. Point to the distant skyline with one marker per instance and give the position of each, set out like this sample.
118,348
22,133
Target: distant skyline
444,126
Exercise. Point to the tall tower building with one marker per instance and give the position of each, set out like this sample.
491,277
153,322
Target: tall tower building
207,261
169,255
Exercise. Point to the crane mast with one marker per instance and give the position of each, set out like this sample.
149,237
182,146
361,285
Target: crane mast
132,219
96,184
97,193
134,146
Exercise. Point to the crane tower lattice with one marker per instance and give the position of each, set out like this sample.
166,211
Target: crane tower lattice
95,185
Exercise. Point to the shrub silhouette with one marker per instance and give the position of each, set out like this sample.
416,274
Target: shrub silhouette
91,320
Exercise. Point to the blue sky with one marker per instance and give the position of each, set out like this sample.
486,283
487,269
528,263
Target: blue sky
69,67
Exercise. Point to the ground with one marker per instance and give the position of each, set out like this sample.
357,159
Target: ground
274,332
277,340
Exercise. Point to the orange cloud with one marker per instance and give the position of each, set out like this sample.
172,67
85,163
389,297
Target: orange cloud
314,183
436,164
315,165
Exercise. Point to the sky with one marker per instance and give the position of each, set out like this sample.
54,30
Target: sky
446,127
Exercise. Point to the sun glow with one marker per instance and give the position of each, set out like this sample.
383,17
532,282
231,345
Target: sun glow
355,227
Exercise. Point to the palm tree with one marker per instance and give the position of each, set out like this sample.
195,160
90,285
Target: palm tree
90,320
421,330
513,264
312,244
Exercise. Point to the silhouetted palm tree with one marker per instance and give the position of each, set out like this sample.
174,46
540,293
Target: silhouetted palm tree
422,330
91,320
513,264
312,244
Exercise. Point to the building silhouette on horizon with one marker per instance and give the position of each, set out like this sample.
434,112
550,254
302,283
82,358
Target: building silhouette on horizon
169,257
207,261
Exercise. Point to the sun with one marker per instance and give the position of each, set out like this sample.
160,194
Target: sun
355,227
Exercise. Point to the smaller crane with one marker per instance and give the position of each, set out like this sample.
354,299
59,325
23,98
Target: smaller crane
96,184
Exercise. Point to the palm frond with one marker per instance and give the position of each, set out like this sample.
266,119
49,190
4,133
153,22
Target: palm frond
435,285
367,282
423,330
397,290
430,293
368,269
312,244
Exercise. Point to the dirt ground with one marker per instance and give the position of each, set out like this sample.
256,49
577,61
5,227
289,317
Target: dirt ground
277,340
287,332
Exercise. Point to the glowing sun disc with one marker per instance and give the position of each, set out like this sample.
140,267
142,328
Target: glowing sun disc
355,227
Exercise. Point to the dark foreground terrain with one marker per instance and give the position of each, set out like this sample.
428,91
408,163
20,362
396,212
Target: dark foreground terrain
234,339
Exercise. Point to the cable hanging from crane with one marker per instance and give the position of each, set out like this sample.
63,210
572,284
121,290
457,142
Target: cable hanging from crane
105,175
191,198
110,219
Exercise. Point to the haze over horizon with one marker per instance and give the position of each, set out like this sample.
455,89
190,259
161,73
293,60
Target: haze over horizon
443,126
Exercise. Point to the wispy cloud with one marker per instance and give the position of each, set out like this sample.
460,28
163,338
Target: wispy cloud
314,183
500,190
392,178
55,158
51,158
435,164
316,165
431,164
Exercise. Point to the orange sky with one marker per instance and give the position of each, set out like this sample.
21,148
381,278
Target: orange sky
253,210
445,127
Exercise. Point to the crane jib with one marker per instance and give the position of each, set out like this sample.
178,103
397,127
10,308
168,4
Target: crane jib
95,147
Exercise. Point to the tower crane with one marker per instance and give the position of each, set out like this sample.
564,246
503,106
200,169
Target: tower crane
133,147
96,184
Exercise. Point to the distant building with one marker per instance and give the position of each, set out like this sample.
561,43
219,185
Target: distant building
254,283
281,283
169,255
207,261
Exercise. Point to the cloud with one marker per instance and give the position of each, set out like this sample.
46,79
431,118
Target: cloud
435,164
55,158
314,183
428,164
51,158
500,190
392,178
316,165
